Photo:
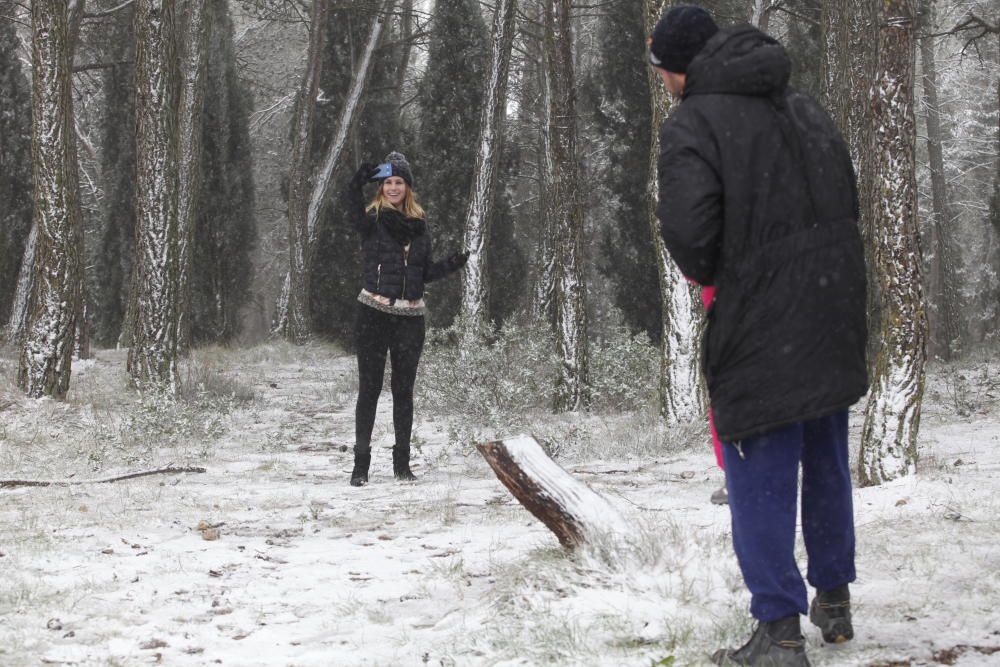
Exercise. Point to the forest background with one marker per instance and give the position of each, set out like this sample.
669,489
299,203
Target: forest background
175,270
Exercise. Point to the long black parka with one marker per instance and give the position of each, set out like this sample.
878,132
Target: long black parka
389,268
757,196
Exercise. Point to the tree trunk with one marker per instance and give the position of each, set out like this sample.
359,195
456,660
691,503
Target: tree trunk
292,313
152,357
545,288
835,27
308,194
865,46
46,355
569,508
21,306
81,344
193,32
892,416
682,393
944,300
760,13
572,391
478,217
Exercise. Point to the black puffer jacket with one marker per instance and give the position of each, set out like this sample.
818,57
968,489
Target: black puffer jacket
388,267
758,197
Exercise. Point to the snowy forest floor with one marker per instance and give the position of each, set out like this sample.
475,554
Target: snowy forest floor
449,570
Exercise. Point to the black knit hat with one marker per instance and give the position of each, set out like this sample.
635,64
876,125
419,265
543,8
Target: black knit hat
678,37
400,167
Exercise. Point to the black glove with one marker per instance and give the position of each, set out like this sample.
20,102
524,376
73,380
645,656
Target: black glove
457,261
363,175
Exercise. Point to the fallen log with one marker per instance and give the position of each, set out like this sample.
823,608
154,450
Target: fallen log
577,514
14,483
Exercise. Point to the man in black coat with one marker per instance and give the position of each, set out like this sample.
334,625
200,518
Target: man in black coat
757,197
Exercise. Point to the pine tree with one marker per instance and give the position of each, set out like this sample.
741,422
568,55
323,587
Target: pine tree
15,165
337,267
154,301
46,354
620,97
450,97
114,266
225,229
566,208
479,215
892,415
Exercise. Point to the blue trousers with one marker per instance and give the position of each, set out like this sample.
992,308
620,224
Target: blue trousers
762,480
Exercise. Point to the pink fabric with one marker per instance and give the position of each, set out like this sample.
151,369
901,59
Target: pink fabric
707,294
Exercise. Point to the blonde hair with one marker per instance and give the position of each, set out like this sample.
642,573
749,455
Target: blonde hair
409,207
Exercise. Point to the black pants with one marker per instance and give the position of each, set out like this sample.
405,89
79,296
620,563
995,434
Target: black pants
402,337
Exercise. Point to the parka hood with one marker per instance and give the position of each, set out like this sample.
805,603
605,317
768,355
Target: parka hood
740,60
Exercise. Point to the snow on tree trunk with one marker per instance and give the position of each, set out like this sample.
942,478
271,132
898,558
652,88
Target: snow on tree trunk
863,57
193,31
836,34
760,13
17,325
944,289
569,508
152,357
308,194
292,311
892,416
545,301
46,354
682,394
477,220
572,390
349,113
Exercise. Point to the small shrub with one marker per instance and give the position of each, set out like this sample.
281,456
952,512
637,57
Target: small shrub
624,371
204,382
489,377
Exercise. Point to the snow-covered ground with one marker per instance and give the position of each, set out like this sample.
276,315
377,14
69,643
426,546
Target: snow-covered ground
449,570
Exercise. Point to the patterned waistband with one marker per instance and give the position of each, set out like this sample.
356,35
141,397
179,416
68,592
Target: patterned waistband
393,306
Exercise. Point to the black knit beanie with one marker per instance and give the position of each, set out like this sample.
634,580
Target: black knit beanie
678,37
400,167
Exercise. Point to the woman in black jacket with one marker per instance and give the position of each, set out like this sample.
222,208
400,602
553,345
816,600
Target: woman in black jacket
397,260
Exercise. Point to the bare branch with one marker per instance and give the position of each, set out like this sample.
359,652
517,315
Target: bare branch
14,483
108,12
93,66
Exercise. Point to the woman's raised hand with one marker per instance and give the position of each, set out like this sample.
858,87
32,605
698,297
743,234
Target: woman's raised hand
363,175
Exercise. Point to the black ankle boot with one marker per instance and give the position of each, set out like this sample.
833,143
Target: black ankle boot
773,644
362,459
401,464
830,611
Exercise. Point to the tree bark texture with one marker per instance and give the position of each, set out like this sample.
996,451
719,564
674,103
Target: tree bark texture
152,357
21,306
836,35
569,508
475,290
682,390
892,415
292,315
760,13
545,299
865,46
943,314
319,196
309,193
572,390
46,354
193,31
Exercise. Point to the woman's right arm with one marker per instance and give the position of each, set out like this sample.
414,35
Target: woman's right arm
353,200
